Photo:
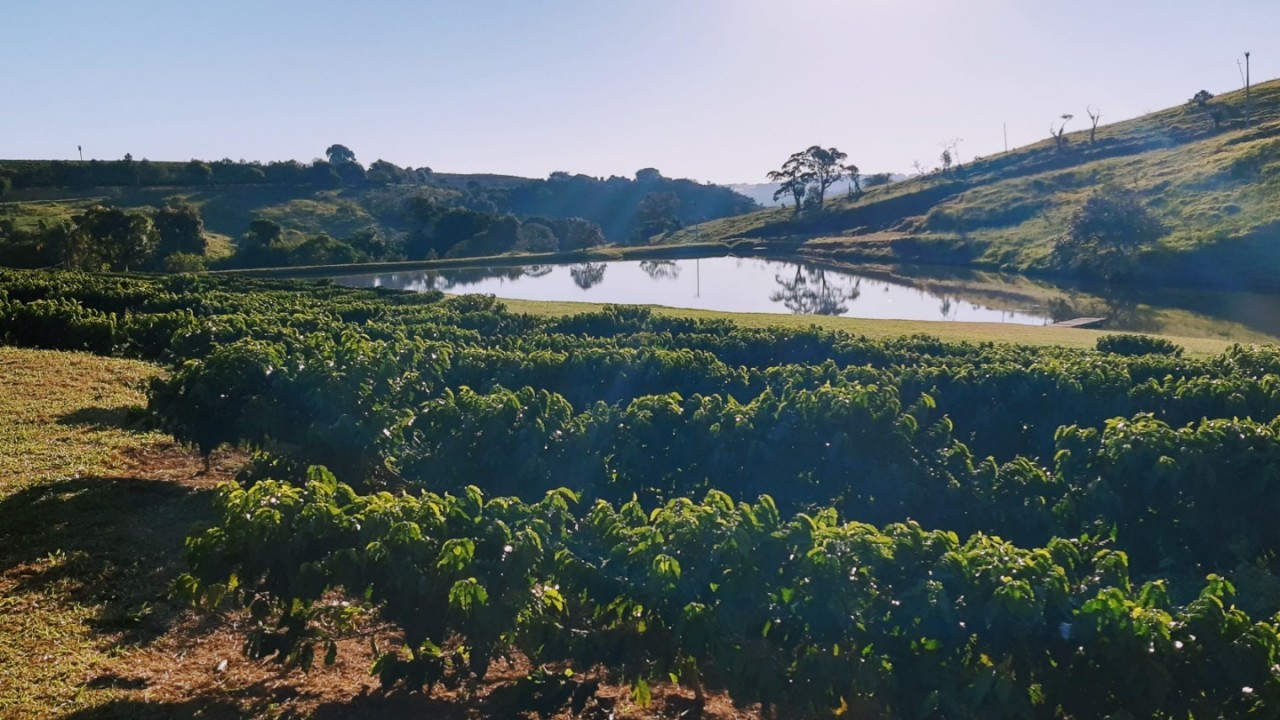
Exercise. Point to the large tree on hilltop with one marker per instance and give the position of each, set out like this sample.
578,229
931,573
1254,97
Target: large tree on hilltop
809,174
826,166
792,180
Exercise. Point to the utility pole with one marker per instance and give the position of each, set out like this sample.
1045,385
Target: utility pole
1248,118
1006,136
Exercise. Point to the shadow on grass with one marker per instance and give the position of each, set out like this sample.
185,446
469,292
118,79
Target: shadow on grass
263,702
133,418
111,542
141,710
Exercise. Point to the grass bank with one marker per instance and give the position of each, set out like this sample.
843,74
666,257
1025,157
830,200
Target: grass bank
873,328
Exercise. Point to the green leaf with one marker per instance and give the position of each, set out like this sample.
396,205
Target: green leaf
641,695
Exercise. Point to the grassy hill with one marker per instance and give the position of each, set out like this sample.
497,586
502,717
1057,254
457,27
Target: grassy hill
1217,190
47,192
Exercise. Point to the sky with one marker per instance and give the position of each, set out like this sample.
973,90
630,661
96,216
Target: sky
715,90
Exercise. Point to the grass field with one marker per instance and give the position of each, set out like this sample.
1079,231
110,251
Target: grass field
950,331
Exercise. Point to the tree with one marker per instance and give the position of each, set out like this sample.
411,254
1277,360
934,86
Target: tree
825,168
70,245
577,234
6,185
369,243
1106,233
198,173
382,172
263,232
1059,134
855,180
792,179
119,240
323,250
946,161
340,155
181,230
324,174
1094,117
262,246
537,237
648,175
657,213
1215,112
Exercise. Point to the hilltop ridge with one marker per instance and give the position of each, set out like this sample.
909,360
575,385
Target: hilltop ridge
1212,182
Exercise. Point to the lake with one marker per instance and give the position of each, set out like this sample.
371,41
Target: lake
759,285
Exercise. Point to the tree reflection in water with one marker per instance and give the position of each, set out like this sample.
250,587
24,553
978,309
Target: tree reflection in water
538,270
587,275
811,293
660,269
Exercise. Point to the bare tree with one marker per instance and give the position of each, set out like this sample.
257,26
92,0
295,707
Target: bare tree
855,180
1059,134
1094,116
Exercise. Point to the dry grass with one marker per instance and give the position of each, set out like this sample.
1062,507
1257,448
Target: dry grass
64,414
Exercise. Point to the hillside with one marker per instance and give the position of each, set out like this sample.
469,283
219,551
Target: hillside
380,213
1216,190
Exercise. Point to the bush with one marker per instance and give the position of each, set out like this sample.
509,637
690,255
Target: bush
1130,344
1105,235
184,263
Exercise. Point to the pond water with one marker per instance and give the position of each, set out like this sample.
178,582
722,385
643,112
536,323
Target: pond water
761,285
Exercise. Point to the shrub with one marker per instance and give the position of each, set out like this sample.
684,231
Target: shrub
1131,344
184,263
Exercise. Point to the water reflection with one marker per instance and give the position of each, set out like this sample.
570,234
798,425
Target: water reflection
587,275
661,269
809,292
801,287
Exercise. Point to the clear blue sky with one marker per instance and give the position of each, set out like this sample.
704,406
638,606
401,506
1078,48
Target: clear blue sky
717,90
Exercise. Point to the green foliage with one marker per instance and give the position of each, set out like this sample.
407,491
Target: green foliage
181,230
184,263
740,510
1105,234
1131,344
806,175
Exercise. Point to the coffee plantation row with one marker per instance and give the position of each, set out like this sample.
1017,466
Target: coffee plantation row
805,519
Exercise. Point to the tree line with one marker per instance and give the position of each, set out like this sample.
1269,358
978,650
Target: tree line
104,238
339,168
